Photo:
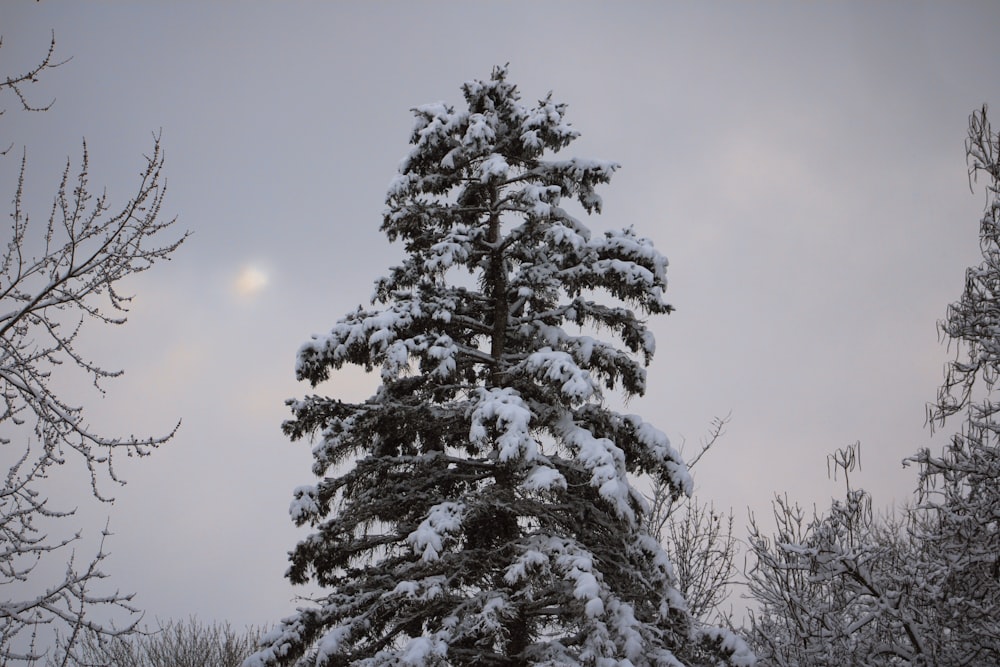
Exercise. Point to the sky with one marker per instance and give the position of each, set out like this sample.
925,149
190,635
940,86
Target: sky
800,164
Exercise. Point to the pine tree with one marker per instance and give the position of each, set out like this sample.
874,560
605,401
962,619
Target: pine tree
477,508
960,489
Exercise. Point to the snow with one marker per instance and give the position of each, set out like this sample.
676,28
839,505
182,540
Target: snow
371,331
594,607
544,478
303,505
538,200
331,642
446,253
623,618
530,139
626,243
490,617
422,650
659,559
549,116
427,588
531,559
606,463
428,539
406,588
444,350
630,272
492,168
583,169
560,234
510,416
479,135
740,653
575,383
397,358
657,442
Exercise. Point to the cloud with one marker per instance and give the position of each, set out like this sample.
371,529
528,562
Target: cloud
250,281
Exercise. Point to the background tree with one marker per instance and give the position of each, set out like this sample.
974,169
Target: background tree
54,279
699,541
190,643
848,588
477,508
837,588
960,489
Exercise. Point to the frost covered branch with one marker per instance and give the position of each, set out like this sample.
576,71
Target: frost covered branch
56,280
836,588
849,587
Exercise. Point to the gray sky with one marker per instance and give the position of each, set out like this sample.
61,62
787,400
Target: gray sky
801,165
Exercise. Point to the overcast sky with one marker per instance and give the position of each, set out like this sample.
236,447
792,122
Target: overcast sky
801,165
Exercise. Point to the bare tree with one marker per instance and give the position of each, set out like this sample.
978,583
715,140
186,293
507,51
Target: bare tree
959,489
190,643
55,279
699,540
849,588
837,588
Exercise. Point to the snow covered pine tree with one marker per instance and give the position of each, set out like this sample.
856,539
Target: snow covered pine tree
485,516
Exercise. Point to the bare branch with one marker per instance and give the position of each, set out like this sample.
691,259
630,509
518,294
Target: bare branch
698,539
56,280
174,644
17,83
